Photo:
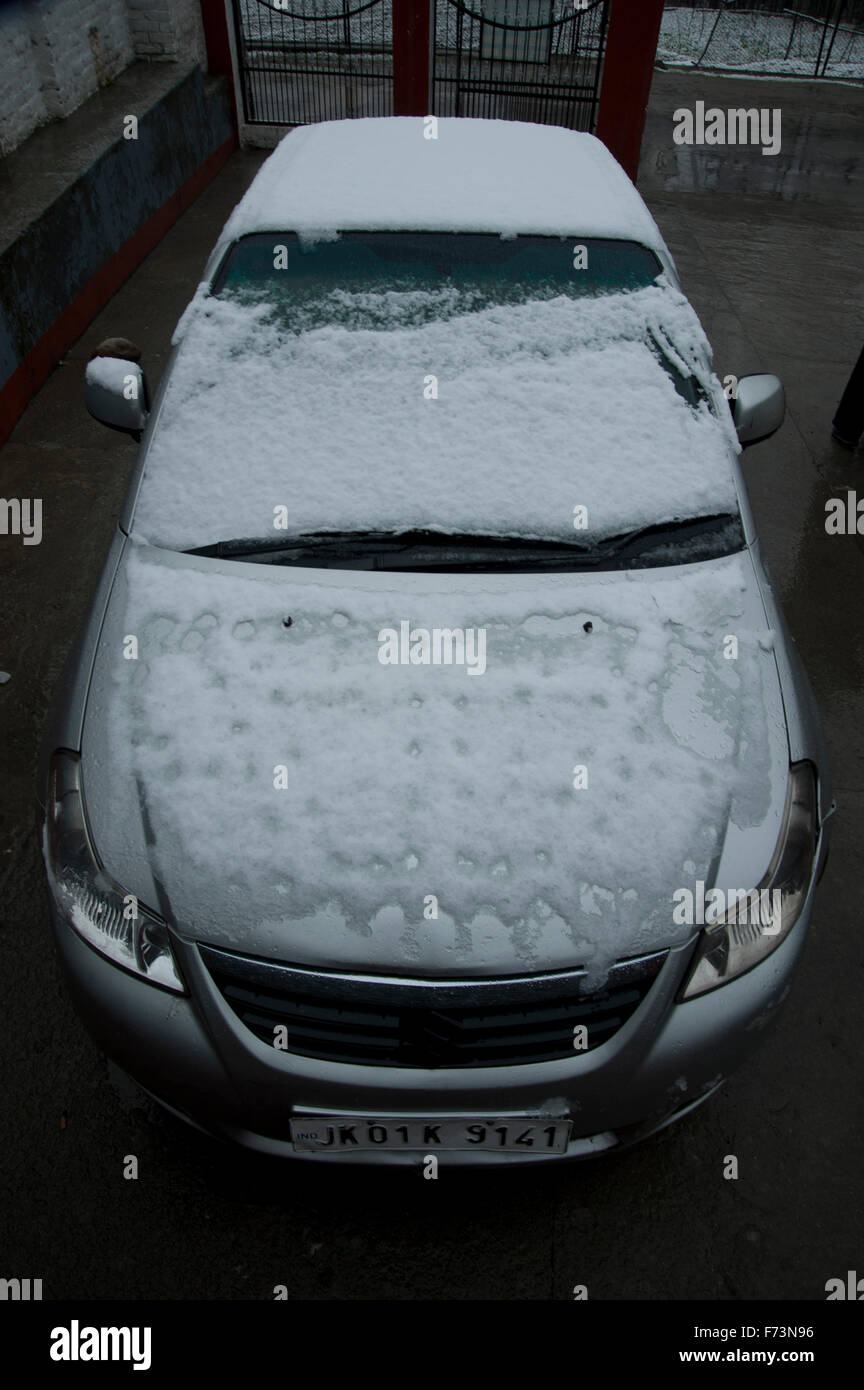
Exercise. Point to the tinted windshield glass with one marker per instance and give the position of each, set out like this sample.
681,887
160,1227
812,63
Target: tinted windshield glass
378,279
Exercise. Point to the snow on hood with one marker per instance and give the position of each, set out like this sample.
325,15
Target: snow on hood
478,175
542,407
410,781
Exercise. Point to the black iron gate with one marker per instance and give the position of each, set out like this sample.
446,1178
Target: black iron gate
520,60
314,60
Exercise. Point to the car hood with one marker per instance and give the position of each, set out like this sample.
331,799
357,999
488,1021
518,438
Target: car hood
256,771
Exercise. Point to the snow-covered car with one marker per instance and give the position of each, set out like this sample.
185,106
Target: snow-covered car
435,776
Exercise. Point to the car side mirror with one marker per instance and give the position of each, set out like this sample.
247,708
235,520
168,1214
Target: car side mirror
115,387
758,407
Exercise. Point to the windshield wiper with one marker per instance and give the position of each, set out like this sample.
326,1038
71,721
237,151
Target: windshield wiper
438,552
689,388
424,550
724,526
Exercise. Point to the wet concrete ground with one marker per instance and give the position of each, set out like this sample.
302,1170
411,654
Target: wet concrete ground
772,261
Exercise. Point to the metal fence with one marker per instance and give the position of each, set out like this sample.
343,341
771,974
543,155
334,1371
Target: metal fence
789,38
530,60
314,60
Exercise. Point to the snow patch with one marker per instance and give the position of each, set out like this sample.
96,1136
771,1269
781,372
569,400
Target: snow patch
478,175
542,407
406,781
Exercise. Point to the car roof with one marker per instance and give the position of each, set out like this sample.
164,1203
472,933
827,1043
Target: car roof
477,175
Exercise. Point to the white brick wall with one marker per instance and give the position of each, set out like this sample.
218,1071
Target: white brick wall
78,47
22,106
55,53
170,30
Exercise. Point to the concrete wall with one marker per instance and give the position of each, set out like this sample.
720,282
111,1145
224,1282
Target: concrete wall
55,53
72,257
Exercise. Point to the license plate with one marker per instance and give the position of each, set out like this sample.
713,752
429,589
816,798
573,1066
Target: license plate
516,1134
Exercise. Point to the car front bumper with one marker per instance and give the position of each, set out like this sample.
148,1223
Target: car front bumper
195,1056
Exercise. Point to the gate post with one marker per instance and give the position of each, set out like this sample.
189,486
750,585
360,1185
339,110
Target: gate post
215,22
214,17
412,57
631,43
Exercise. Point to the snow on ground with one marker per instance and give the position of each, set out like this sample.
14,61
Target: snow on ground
407,781
758,43
542,407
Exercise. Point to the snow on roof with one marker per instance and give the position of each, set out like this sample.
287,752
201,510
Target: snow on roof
542,407
478,175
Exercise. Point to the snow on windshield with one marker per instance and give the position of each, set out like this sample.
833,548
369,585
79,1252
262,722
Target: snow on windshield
502,421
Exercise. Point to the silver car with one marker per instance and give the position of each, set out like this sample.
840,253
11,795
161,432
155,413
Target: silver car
435,778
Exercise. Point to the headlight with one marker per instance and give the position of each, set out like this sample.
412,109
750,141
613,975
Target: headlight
109,919
731,946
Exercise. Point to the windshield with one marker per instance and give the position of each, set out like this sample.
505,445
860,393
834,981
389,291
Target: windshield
388,279
385,280
394,383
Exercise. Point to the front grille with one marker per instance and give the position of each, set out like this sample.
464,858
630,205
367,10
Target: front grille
385,1022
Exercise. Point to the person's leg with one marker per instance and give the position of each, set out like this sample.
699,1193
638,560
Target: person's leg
849,420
